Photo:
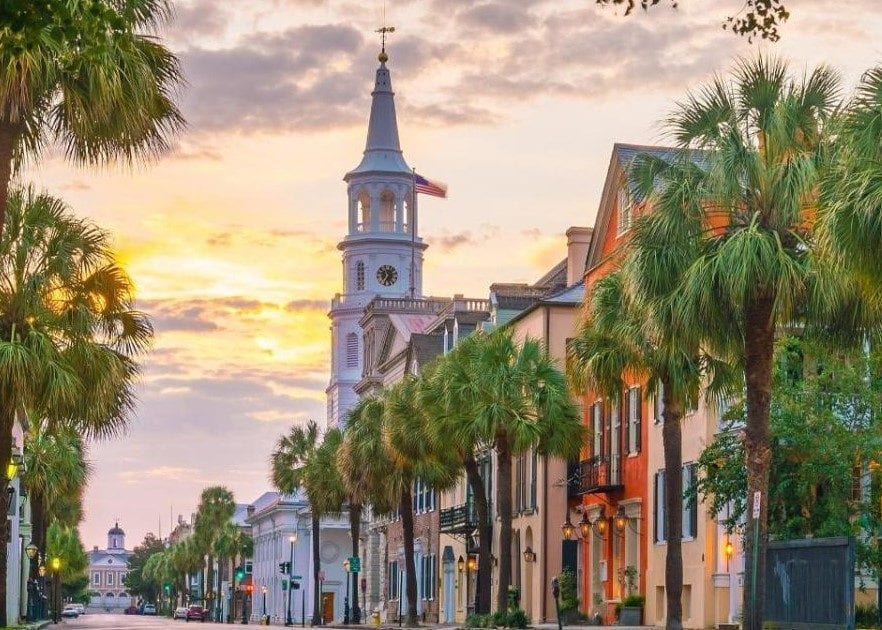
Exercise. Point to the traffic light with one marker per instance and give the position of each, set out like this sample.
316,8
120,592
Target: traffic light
295,586
284,585
240,573
249,588
285,568
168,588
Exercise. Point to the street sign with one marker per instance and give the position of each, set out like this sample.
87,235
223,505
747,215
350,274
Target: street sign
757,498
297,577
354,564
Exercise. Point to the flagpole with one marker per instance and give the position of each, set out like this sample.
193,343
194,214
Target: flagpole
412,232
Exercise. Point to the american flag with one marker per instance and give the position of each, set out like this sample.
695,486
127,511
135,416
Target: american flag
428,187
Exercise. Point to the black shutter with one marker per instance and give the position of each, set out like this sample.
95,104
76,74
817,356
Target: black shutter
693,502
570,555
655,507
638,418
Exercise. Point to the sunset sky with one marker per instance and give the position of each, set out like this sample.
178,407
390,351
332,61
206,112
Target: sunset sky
231,239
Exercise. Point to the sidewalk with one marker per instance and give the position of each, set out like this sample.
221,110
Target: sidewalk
438,626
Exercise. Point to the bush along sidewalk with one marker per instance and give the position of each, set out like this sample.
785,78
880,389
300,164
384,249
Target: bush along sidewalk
502,619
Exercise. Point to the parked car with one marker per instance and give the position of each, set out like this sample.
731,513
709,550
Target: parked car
149,609
132,610
81,608
180,612
70,610
196,613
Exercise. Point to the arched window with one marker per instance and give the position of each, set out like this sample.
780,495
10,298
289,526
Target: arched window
408,213
364,211
387,211
352,350
359,276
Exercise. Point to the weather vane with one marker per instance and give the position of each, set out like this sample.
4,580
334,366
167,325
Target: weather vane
383,31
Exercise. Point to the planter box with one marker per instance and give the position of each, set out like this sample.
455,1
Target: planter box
631,616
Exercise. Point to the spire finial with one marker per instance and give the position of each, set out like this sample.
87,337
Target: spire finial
383,30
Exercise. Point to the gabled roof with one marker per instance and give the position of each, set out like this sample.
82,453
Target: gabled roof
424,348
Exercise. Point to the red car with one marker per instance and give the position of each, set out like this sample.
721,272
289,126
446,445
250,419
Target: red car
196,613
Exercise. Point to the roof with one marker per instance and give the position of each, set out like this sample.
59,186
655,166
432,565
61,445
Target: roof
382,151
571,295
116,531
424,348
554,278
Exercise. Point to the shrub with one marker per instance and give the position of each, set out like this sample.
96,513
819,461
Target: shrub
499,619
569,599
635,601
476,621
866,616
517,619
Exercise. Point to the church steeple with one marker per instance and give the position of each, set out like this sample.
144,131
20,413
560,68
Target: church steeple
382,151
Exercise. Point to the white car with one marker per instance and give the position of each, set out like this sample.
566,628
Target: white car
70,610
81,608
181,612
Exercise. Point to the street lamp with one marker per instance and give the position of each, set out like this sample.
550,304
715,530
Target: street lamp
31,550
293,540
585,526
346,599
55,563
567,528
11,470
460,564
263,590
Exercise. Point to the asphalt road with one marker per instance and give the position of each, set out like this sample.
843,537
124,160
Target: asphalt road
125,622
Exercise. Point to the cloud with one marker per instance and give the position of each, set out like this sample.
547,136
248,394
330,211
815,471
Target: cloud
307,305
168,473
449,241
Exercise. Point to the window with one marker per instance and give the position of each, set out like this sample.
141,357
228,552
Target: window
520,483
690,505
359,276
352,350
392,581
624,210
96,578
633,409
424,497
659,507
428,576
109,578
534,467
615,443
597,420
364,211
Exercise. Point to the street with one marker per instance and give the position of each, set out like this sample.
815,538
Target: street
121,622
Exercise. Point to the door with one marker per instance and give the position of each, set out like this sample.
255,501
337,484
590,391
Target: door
449,592
328,607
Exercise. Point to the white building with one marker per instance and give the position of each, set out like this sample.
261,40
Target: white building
107,572
274,518
382,252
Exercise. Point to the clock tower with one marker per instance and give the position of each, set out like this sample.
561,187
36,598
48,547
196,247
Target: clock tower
382,252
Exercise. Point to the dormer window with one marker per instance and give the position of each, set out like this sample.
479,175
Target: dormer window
625,209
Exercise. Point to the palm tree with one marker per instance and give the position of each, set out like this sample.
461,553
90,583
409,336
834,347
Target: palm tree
216,508
55,470
229,544
749,221
89,76
405,427
69,333
448,396
299,461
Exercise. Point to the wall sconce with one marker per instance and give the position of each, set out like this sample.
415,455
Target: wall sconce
473,563
460,564
728,551
600,524
585,526
567,528
529,555
620,520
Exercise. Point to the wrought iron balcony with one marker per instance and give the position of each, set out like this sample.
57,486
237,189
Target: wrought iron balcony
600,474
460,519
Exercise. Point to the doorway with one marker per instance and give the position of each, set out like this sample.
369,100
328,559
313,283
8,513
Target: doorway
328,607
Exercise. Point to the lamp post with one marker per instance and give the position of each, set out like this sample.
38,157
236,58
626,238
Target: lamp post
346,599
263,591
42,571
31,551
293,539
56,586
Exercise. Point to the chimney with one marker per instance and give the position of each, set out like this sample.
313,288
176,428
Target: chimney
578,242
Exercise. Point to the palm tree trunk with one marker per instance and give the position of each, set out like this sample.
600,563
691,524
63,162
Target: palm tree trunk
7,419
38,529
316,569
208,588
485,533
503,498
672,444
406,509
759,347
355,532
10,133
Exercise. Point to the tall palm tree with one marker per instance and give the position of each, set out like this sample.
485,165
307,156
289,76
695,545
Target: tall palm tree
216,508
55,469
69,334
749,219
91,77
405,428
299,461
448,396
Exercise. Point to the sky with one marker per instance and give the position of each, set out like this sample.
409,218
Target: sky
231,237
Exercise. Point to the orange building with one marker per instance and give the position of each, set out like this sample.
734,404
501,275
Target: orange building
609,491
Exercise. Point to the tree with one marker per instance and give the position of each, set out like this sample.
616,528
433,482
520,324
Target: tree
756,18
69,333
55,470
64,543
139,582
231,543
216,508
412,458
826,432
89,76
299,461
763,146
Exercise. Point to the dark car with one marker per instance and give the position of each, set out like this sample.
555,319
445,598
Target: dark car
132,610
196,613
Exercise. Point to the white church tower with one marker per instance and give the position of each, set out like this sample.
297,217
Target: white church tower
382,252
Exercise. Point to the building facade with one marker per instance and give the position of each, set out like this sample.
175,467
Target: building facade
107,571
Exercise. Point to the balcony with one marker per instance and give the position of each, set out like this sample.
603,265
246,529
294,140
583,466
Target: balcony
461,519
600,474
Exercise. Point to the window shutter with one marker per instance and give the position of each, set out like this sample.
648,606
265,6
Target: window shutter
655,531
627,414
693,504
638,418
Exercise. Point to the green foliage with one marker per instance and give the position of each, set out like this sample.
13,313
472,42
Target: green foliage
569,593
825,430
501,619
755,18
866,616
477,621
517,619
64,543
633,601
137,583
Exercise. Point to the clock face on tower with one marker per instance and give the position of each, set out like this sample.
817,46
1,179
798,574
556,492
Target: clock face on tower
387,275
